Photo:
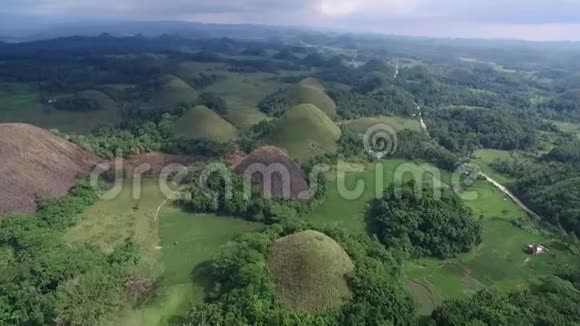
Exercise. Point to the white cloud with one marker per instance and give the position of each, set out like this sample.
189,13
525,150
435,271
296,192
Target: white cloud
350,7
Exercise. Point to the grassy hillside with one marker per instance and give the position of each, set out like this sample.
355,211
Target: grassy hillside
312,82
103,100
22,103
173,91
301,94
305,131
203,123
309,270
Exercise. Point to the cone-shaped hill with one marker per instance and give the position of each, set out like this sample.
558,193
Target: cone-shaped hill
309,270
304,131
287,179
203,123
37,164
172,91
85,101
310,91
312,82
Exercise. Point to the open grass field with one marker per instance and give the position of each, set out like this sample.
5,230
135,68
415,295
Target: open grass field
498,262
485,157
110,223
187,241
243,93
22,103
178,243
397,123
349,213
172,246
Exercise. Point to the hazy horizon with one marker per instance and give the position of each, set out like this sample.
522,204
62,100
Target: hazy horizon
536,20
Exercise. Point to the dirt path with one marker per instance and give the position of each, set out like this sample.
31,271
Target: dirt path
424,295
422,122
160,207
489,179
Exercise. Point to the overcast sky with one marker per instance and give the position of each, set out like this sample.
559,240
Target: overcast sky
523,19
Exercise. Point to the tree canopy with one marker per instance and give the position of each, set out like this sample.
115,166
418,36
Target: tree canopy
422,222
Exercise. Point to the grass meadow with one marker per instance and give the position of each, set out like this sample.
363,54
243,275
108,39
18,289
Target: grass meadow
568,127
172,246
178,243
499,262
22,103
485,157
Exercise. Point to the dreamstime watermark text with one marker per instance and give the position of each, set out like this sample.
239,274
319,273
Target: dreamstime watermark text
352,181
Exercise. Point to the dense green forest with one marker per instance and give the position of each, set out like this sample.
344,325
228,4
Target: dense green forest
249,297
550,185
553,302
418,220
462,130
232,198
45,281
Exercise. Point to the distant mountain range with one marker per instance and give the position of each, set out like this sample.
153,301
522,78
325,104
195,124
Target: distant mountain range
194,30
190,30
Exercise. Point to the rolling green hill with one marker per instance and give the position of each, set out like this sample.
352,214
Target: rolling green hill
173,91
85,101
309,270
101,98
203,123
305,131
301,94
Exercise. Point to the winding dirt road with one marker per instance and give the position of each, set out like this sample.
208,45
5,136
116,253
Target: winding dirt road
489,179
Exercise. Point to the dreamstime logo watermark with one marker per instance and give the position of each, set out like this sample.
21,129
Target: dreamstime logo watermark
380,141
286,180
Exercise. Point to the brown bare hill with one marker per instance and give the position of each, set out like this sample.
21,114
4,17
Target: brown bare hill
34,163
288,180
